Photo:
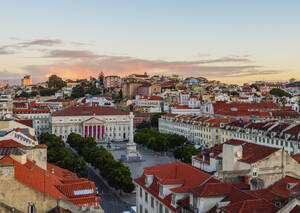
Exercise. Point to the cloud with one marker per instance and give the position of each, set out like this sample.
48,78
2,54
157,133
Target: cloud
71,54
10,77
91,64
5,51
40,42
11,49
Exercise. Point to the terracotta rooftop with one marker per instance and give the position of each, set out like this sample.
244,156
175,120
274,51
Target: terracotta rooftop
54,184
251,206
88,111
251,152
173,173
10,144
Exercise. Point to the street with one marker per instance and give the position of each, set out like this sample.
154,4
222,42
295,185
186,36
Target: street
109,201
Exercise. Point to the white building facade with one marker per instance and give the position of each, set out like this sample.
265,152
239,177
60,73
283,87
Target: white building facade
101,123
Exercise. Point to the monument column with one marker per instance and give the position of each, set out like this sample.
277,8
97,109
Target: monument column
131,153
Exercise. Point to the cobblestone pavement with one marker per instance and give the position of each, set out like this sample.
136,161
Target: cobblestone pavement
150,158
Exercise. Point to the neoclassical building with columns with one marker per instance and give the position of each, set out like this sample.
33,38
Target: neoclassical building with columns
99,122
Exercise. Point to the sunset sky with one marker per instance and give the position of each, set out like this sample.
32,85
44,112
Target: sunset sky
232,41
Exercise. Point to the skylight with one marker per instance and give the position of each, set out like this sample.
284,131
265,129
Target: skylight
83,192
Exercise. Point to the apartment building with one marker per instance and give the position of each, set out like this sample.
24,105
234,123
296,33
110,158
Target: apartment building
201,130
271,133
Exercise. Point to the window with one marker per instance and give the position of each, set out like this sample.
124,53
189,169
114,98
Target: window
278,204
161,191
31,208
146,210
152,202
141,209
166,210
173,199
146,196
160,208
141,192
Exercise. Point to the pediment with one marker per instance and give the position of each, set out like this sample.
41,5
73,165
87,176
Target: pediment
93,120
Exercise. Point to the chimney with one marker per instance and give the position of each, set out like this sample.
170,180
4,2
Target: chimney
95,104
52,170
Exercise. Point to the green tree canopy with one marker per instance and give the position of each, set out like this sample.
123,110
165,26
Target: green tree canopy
185,153
59,155
154,120
279,93
115,172
55,82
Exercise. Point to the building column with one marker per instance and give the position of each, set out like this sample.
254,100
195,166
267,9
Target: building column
94,131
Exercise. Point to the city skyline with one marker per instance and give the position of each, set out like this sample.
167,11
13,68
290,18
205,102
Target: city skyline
232,41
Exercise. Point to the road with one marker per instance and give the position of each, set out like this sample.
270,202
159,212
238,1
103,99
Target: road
110,202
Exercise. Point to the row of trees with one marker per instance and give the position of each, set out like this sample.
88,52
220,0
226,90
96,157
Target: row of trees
40,90
160,142
114,172
61,156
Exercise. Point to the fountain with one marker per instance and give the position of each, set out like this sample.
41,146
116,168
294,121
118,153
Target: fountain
109,146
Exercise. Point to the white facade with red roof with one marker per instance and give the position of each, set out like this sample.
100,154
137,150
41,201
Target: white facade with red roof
161,187
99,122
153,102
39,113
177,187
271,133
201,130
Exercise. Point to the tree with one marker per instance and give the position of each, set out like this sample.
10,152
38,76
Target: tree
144,124
254,86
61,156
55,82
77,91
185,153
117,175
279,93
154,120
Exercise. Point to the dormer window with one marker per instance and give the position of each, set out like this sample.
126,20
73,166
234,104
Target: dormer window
161,191
173,200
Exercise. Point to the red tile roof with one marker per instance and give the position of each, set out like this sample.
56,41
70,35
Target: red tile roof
30,111
296,157
10,143
251,152
266,194
251,206
174,173
296,209
88,111
212,188
281,187
25,122
57,184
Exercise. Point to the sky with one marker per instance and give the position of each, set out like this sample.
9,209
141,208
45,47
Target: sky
226,40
